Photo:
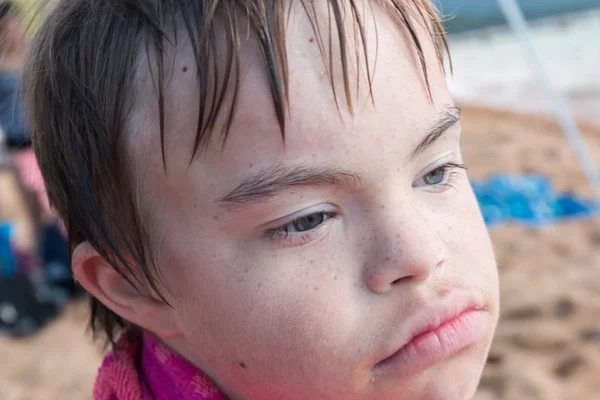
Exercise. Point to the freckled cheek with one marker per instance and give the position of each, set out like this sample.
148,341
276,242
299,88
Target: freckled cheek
295,312
467,241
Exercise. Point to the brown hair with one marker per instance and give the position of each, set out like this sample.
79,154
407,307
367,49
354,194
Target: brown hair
7,9
80,80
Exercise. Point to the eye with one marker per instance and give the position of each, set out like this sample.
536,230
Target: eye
436,177
301,229
308,223
440,177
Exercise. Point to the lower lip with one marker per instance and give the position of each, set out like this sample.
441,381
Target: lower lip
436,345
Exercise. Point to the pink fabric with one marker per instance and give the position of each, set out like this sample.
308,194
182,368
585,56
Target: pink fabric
161,375
31,176
30,173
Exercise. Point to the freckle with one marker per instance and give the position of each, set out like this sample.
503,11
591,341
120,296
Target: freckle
246,270
185,68
250,165
215,217
387,259
312,261
316,288
259,284
214,256
397,236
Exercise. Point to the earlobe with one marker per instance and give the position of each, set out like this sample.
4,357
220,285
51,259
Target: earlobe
135,304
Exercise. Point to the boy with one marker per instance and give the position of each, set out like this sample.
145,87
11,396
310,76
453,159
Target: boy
270,193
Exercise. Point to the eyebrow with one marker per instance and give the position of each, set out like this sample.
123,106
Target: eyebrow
275,179
278,178
447,119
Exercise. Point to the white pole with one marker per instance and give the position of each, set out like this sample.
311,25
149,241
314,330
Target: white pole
517,22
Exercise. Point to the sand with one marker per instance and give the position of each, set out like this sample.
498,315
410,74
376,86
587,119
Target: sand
548,342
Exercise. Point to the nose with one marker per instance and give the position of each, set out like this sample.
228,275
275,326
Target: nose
407,247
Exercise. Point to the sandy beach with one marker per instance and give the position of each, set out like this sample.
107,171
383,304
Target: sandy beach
547,346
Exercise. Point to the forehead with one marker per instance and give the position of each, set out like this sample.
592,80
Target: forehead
317,116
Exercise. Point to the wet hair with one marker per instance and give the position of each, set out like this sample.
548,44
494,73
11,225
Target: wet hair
80,83
7,9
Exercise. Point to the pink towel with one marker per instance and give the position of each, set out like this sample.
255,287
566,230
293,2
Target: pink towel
162,375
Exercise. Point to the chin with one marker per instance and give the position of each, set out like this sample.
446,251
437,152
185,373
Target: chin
453,379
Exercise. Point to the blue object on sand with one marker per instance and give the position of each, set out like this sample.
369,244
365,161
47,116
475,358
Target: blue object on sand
529,200
8,264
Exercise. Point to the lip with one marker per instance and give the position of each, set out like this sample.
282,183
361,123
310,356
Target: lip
434,334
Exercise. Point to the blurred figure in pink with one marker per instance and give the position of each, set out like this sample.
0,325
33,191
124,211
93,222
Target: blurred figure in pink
13,47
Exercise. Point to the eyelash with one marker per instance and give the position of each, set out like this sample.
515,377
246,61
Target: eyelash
450,175
286,233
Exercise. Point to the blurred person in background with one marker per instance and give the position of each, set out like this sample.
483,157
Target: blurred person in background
13,47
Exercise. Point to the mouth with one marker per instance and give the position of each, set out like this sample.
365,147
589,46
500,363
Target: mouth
435,335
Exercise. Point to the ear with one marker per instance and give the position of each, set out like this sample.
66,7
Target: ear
139,306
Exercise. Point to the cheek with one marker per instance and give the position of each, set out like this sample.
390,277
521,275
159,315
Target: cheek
468,241
292,310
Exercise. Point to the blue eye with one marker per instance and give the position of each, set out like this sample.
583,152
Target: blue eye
304,225
440,177
436,177
308,223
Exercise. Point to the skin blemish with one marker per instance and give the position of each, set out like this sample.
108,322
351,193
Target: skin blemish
185,68
242,365
311,40
259,284
215,217
316,288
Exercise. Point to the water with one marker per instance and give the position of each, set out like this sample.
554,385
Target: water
473,14
490,68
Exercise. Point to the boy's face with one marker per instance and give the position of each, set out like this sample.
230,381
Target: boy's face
297,269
